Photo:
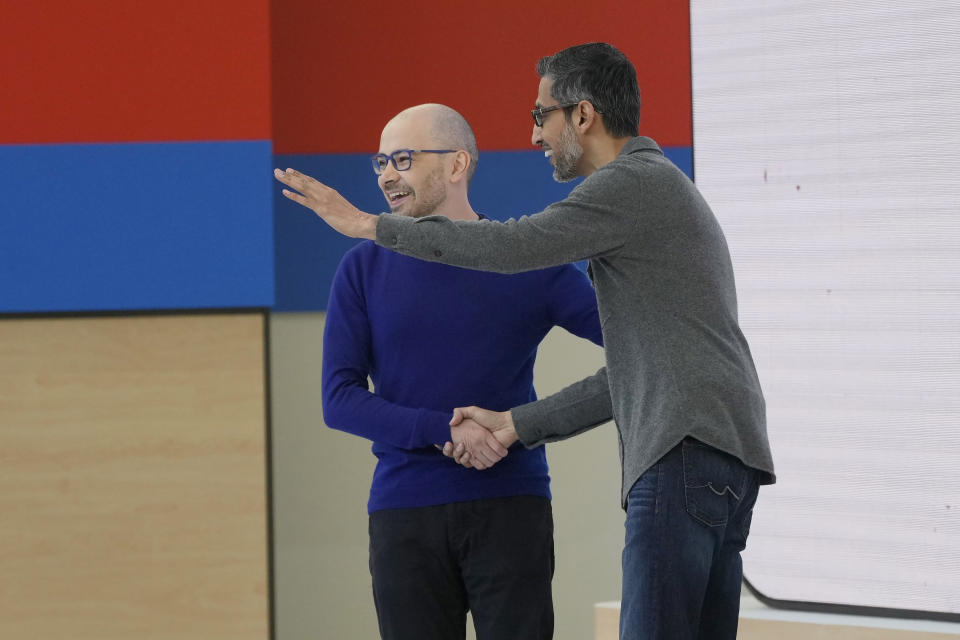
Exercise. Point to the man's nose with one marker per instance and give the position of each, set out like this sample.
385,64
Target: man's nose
389,174
536,138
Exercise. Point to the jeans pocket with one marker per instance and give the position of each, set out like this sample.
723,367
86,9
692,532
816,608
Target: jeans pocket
713,483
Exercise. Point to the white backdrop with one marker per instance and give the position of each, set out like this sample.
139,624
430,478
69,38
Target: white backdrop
827,140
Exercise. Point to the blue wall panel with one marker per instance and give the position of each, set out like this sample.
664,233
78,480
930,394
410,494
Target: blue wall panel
96,227
507,184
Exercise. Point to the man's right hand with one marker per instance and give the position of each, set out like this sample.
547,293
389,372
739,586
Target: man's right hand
484,448
499,423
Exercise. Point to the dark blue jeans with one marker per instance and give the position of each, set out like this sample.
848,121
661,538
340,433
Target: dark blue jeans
687,521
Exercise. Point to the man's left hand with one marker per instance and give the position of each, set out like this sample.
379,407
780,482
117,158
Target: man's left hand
327,203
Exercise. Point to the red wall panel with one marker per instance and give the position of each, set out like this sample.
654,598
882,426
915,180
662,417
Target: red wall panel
340,71
115,71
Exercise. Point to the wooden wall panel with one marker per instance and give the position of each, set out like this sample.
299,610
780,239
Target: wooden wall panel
133,478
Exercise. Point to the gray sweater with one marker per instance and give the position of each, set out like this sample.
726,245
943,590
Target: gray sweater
677,363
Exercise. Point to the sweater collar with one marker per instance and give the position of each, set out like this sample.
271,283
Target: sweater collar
640,143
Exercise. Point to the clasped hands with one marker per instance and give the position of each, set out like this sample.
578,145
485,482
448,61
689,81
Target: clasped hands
479,437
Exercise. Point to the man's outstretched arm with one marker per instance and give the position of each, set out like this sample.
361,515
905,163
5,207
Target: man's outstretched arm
594,220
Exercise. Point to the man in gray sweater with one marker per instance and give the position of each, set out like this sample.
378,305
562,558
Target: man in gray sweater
679,379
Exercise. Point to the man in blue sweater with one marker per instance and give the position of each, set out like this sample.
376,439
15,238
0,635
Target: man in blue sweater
445,539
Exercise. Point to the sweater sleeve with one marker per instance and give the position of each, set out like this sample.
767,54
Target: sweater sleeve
569,412
348,404
591,222
573,304
582,406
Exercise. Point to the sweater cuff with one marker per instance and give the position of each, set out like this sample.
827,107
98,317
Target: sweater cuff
524,424
388,230
433,427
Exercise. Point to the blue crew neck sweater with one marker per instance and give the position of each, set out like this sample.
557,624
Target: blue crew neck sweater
431,338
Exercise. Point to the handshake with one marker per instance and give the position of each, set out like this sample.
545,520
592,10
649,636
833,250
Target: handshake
479,438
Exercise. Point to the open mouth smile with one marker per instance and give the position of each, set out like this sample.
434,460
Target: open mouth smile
396,197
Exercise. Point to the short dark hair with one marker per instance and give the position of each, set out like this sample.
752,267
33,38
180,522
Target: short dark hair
600,74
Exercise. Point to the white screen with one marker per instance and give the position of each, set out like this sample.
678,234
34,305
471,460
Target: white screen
826,139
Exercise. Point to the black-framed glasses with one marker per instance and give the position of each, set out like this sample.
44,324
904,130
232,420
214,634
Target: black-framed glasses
402,159
539,112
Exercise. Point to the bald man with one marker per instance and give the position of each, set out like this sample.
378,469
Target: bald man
445,539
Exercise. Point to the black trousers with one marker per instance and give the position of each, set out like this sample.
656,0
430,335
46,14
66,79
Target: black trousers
430,565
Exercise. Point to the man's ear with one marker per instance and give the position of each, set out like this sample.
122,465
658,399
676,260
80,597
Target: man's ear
461,163
584,116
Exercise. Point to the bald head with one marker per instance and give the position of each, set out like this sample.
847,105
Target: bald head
442,127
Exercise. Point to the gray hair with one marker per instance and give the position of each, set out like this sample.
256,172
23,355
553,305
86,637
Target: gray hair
600,74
